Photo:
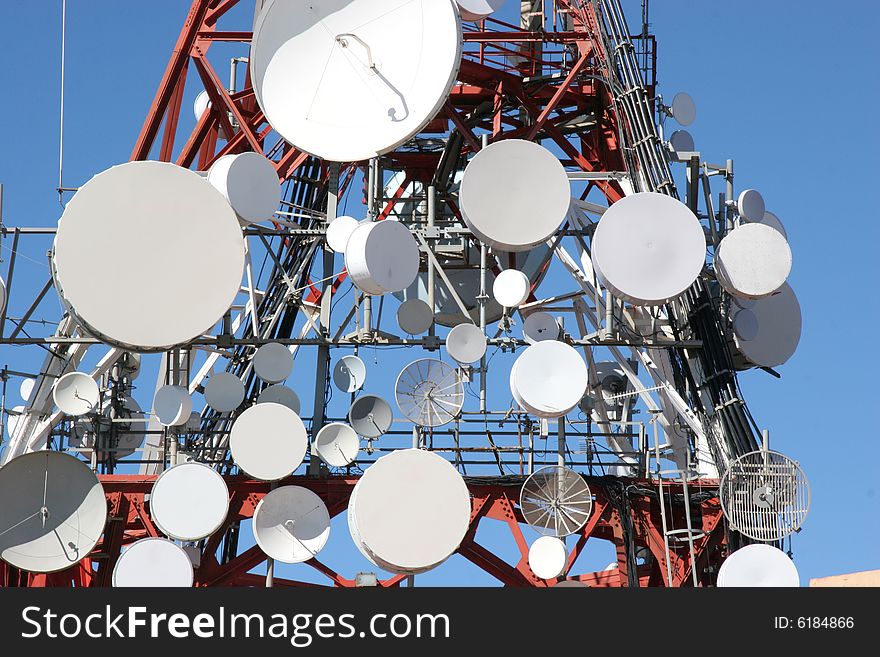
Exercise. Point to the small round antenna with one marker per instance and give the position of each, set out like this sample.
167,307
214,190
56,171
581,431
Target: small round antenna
498,199
765,495
381,257
26,387
53,511
750,205
774,222
548,557
778,332
477,10
249,182
540,326
429,392
410,511
201,104
511,288
273,362
682,142
414,316
466,343
337,444
279,394
339,231
189,501
683,109
172,405
153,562
753,260
291,524
349,373
76,393
556,501
758,565
268,441
224,392
370,416
549,379
648,248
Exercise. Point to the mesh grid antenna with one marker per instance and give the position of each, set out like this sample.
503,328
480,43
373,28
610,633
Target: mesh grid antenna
556,501
429,392
765,495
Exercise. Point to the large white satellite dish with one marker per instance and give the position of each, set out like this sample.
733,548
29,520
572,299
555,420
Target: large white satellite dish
291,524
382,256
648,248
414,316
466,343
477,10
556,501
758,565
339,231
268,441
189,501
349,80
279,394
131,215
153,562
540,326
370,416
337,444
224,392
429,392
754,261
76,393
514,195
750,205
548,557
549,378
249,182
684,110
53,511
778,333
511,288
172,405
410,511
349,373
273,362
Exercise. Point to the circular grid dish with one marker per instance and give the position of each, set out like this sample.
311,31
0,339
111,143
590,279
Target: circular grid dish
132,216
556,501
348,81
429,392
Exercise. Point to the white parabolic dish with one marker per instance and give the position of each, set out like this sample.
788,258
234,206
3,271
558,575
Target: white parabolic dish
349,373
414,316
382,256
549,378
268,441
76,393
750,205
511,288
410,511
338,232
189,501
53,511
349,80
172,405
466,343
476,10
540,326
224,392
547,557
514,195
778,330
280,394
753,261
153,562
758,565
273,362
291,524
648,248
149,223
370,416
249,182
337,444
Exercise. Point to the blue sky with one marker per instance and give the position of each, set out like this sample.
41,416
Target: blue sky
785,89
